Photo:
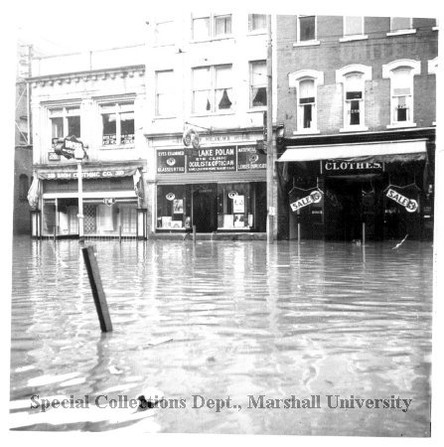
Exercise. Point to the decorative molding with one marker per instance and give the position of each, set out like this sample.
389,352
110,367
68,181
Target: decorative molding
366,71
387,69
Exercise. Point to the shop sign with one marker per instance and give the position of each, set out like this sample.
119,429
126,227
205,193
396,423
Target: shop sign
70,175
313,197
212,159
352,167
170,162
248,159
238,204
52,156
409,204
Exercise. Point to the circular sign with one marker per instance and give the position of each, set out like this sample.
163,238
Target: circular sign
253,158
232,195
316,196
170,196
171,161
412,206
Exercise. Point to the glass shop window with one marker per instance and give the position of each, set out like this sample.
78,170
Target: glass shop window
235,203
173,211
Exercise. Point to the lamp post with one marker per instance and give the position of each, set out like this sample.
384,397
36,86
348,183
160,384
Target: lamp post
79,155
269,126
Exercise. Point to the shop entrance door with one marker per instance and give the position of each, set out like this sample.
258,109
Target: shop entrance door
204,206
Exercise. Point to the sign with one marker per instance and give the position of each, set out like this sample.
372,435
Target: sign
409,204
93,174
212,159
350,167
68,146
313,197
170,162
248,159
238,204
52,156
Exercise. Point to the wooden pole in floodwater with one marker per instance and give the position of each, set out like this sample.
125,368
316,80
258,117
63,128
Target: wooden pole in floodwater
194,233
97,289
363,233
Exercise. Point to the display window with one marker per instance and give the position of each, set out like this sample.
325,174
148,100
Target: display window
172,208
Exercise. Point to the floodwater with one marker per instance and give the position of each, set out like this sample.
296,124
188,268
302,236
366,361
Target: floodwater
218,320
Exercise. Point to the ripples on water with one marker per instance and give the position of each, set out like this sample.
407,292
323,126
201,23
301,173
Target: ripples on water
224,318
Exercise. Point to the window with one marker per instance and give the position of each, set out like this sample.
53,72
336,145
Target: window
258,84
400,24
164,33
117,124
257,22
401,74
353,26
23,187
306,83
211,26
306,28
212,89
164,93
65,122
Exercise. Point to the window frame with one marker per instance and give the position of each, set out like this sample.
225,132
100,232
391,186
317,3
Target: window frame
251,29
389,71
251,64
307,42
213,88
157,94
400,32
212,17
162,42
64,115
349,37
118,108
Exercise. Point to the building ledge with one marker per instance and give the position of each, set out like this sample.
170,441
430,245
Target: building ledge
353,38
401,32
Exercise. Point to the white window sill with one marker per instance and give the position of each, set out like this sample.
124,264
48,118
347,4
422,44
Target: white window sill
434,123
231,112
435,28
401,125
212,39
354,129
259,32
166,117
117,147
307,43
257,109
401,32
306,132
354,37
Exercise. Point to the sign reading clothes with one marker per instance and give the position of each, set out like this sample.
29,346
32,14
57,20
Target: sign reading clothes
170,162
335,167
210,159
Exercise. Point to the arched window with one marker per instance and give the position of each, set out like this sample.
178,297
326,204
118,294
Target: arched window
401,75
23,187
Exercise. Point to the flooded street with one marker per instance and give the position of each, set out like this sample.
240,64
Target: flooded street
225,319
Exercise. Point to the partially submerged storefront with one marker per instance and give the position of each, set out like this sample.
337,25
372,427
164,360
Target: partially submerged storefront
217,188
113,200
343,189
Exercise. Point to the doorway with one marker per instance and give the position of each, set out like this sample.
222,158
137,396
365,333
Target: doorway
204,206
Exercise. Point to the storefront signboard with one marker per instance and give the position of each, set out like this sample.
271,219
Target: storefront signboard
335,167
409,204
93,174
170,162
313,197
249,159
211,159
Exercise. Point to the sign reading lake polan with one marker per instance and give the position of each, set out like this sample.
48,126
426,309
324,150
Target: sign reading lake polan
409,204
313,197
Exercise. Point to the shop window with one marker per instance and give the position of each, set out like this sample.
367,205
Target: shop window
306,28
23,187
212,89
257,22
173,210
353,26
164,33
117,124
65,122
401,74
211,26
258,84
165,99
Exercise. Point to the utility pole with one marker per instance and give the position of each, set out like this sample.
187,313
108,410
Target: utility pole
271,211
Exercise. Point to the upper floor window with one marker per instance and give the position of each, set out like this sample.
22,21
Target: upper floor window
306,28
353,78
258,84
117,124
211,26
353,26
401,74
164,33
400,23
306,83
23,187
165,101
65,122
212,89
257,22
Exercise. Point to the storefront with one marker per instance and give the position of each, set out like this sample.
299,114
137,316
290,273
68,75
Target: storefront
112,201
217,189
357,191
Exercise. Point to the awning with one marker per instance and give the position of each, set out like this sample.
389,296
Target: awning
387,151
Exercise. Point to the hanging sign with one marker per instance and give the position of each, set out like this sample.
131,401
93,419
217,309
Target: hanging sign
313,197
409,204
170,196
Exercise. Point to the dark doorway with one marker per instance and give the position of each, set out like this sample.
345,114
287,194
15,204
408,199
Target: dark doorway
205,207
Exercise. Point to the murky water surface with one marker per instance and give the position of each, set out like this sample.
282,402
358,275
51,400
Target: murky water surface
222,319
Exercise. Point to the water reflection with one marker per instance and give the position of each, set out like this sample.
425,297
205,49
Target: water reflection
224,318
